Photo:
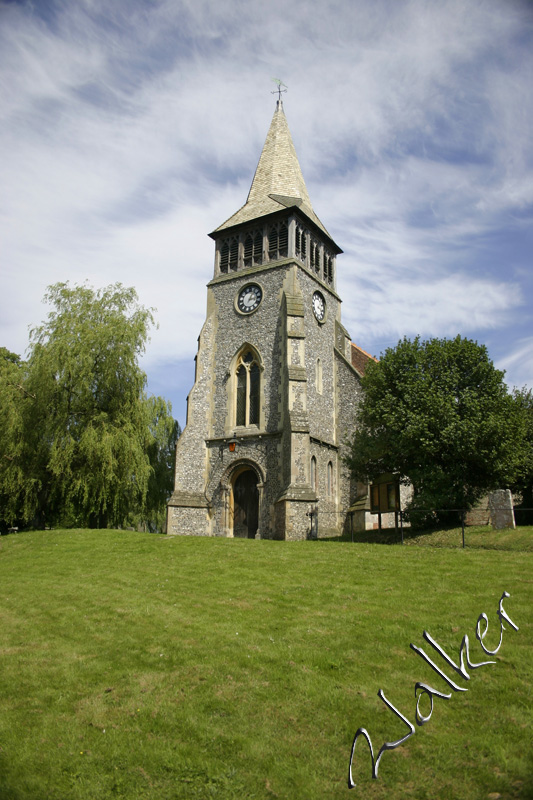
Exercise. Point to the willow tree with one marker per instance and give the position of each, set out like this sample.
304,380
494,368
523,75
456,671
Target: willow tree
17,492
87,432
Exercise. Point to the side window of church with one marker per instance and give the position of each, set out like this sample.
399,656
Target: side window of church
248,390
314,475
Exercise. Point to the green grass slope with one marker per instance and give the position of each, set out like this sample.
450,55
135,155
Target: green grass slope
143,666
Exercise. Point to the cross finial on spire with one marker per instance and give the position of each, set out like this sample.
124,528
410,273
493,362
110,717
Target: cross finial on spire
279,90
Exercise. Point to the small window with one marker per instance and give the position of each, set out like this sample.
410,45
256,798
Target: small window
314,476
318,377
330,479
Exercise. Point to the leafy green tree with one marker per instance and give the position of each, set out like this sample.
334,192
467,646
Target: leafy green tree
90,438
523,485
15,490
438,414
164,432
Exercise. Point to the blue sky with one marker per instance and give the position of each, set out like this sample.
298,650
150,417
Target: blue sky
130,129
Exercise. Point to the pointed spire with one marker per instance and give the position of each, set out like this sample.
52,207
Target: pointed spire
278,181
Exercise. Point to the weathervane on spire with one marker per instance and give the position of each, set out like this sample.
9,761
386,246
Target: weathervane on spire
279,90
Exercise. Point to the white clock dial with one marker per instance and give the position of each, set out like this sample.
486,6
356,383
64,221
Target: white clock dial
249,298
319,306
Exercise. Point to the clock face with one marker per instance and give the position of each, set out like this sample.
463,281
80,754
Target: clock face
249,298
319,306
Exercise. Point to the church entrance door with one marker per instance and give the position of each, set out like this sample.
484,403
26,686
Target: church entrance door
245,505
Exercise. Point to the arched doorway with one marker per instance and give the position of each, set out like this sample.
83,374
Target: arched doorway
245,504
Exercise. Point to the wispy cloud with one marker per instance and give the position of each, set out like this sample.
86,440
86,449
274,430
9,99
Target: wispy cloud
132,129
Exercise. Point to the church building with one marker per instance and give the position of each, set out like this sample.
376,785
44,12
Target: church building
277,377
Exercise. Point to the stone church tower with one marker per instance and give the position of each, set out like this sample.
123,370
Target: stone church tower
275,389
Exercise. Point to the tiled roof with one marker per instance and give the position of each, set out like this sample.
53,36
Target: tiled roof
360,358
278,181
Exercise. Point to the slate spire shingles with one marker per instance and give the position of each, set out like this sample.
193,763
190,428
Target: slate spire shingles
278,181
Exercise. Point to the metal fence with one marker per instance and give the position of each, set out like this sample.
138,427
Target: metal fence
411,523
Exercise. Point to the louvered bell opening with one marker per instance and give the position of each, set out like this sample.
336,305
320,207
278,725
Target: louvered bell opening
283,240
224,257
248,251
234,254
253,249
258,248
328,268
273,243
301,245
315,257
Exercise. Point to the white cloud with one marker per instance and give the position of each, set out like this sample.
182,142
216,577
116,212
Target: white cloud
134,129
518,363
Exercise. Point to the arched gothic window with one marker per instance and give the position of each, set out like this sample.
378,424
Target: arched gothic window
248,385
330,478
314,475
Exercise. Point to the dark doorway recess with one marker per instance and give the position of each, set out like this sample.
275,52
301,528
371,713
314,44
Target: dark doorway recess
245,505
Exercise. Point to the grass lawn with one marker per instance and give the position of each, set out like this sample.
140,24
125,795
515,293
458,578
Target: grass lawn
143,666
